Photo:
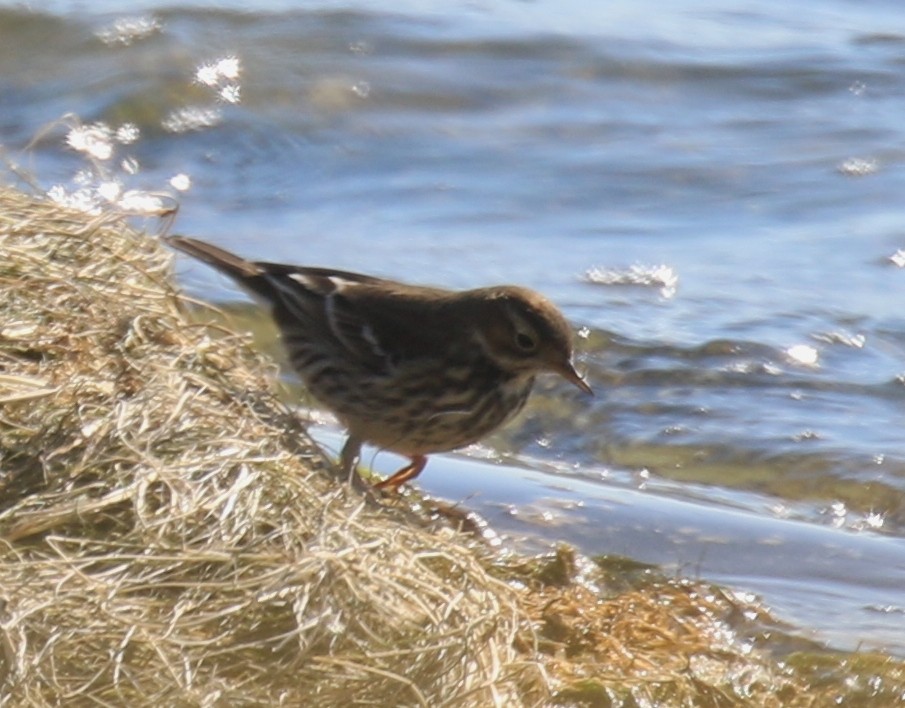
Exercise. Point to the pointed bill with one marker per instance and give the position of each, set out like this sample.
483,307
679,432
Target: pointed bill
567,371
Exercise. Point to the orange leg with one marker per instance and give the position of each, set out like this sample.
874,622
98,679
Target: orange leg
410,471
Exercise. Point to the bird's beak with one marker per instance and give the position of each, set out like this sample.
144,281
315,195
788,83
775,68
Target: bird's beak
567,371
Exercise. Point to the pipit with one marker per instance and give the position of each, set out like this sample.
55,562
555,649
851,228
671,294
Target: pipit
410,369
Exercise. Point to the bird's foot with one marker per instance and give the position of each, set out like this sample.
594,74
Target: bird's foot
409,472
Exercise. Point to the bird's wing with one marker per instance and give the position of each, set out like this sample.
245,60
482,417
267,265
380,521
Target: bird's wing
387,322
378,322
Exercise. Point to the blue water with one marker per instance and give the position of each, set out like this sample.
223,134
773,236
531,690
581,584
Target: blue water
711,189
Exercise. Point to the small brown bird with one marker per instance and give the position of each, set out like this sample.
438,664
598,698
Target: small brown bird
410,369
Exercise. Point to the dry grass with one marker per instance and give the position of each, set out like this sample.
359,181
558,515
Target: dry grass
169,535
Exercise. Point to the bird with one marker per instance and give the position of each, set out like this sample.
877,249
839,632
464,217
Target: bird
412,369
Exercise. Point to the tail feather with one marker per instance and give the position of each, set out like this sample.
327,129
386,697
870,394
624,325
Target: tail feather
227,263
290,300
251,276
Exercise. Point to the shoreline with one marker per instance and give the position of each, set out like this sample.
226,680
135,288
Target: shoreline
170,534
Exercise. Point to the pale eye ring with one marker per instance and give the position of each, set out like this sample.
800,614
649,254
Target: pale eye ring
525,342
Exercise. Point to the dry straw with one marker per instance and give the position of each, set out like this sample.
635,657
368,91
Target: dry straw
170,536
170,533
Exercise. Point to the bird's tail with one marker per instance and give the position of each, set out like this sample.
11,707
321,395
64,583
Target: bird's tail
230,264
276,285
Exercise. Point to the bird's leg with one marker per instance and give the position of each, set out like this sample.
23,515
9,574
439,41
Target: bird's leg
410,471
348,460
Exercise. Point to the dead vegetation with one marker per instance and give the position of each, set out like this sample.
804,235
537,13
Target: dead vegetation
169,535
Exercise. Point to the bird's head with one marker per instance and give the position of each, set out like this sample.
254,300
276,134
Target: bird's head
524,332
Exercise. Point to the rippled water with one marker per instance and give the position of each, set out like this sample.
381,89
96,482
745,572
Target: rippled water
711,190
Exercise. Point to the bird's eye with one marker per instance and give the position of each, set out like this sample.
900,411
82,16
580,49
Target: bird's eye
525,342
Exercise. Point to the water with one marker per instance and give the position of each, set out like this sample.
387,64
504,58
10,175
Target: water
711,190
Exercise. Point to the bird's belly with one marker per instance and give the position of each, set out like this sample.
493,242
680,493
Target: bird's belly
428,418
